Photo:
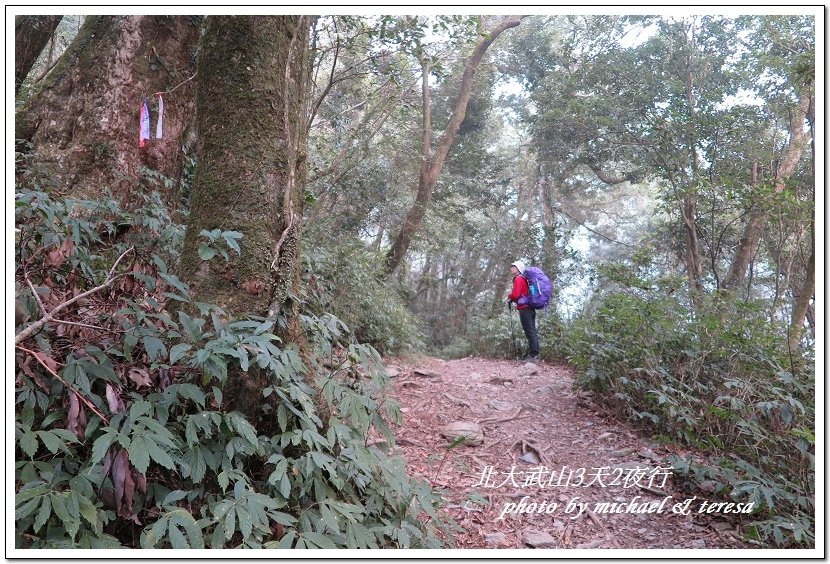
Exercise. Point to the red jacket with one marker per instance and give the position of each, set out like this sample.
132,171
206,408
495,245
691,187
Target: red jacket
519,289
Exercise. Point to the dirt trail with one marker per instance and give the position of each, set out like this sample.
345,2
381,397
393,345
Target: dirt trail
538,416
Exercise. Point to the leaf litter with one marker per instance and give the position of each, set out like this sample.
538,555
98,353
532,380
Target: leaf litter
535,426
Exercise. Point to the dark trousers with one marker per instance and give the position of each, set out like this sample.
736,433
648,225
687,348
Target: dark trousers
528,318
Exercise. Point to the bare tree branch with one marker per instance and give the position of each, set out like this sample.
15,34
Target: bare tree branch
34,327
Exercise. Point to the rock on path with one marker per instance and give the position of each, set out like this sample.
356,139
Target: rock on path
551,467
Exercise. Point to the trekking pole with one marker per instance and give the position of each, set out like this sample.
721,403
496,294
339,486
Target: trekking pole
512,332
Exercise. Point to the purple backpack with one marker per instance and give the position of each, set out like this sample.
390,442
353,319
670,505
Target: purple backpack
538,286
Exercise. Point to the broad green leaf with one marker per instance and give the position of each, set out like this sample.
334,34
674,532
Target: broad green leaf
230,238
27,508
240,425
161,434
101,445
230,522
194,531
155,348
285,487
263,327
177,539
244,362
52,443
140,408
192,392
322,541
65,435
70,523
157,454
282,518
28,443
148,281
287,541
173,497
178,351
245,522
205,252
174,281
329,518
103,371
31,492
87,509
156,531
198,467
43,514
139,453
224,480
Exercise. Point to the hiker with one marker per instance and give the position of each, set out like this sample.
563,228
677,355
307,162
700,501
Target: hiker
527,315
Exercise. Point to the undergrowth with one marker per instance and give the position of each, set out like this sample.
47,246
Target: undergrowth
123,437
721,381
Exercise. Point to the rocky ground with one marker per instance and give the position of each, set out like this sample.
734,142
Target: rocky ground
536,460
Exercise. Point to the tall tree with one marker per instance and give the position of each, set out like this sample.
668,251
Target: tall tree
31,34
432,158
250,174
82,121
786,49
803,298
679,115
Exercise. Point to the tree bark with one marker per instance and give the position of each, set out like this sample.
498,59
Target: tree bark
748,245
694,265
31,34
433,162
82,120
250,175
802,300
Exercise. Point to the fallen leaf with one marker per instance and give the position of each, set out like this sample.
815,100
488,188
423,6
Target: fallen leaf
140,377
113,400
76,422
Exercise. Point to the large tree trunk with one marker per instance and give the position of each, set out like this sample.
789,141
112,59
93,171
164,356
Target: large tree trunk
748,245
250,174
31,34
83,119
433,162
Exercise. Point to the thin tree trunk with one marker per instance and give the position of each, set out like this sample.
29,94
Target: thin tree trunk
424,284
688,210
31,34
783,265
694,268
379,237
433,162
802,300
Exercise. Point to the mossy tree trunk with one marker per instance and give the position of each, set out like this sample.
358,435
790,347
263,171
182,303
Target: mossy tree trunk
82,119
250,173
31,34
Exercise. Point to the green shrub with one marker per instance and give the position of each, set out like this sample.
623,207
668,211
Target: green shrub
498,336
342,278
501,336
123,437
720,381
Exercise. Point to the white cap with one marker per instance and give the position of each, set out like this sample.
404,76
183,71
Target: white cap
520,266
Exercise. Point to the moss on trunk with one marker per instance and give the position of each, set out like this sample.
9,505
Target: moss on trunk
250,172
83,120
